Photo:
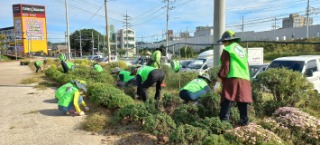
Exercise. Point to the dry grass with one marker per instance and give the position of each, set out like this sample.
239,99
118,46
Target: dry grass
30,80
95,122
31,112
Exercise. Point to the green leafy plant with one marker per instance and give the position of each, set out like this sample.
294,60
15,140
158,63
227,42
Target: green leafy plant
132,114
219,140
180,79
213,125
170,102
95,122
187,134
185,114
209,105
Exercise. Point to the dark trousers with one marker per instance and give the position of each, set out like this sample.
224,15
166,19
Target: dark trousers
64,66
155,77
243,109
37,67
122,84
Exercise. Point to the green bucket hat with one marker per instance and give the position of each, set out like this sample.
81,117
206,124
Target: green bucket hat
229,35
175,65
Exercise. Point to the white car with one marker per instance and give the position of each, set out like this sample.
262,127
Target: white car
200,65
308,65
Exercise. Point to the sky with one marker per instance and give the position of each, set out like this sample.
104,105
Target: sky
148,17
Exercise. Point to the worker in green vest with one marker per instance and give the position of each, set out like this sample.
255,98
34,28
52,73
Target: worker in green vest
146,77
155,59
62,57
70,99
61,90
196,88
40,65
235,77
97,67
125,79
67,66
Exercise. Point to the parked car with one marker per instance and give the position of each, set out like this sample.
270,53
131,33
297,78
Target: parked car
94,57
307,65
184,63
200,65
254,70
105,59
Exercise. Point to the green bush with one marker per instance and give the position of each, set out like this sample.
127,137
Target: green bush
213,125
159,125
219,140
122,64
24,62
185,114
180,79
187,134
95,122
170,102
132,114
209,105
101,93
151,106
286,88
119,101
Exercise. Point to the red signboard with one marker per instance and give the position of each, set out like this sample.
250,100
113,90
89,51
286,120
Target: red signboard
23,10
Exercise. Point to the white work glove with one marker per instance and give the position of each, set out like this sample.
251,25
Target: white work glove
81,113
86,108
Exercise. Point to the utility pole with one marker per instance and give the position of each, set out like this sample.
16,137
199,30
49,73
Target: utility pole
126,31
67,35
98,43
219,28
92,43
308,10
167,25
107,29
80,44
242,25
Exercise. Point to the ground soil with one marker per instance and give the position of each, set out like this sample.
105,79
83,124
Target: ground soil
29,116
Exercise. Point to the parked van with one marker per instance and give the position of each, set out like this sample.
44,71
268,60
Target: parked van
308,65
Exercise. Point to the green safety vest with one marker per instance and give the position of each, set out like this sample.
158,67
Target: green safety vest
98,68
144,72
126,76
69,64
156,59
195,85
39,62
238,62
61,90
67,97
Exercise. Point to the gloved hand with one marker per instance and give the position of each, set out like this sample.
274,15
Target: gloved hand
81,113
86,108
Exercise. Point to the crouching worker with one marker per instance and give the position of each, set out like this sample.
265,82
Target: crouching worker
146,77
71,100
97,67
125,79
195,88
67,66
40,65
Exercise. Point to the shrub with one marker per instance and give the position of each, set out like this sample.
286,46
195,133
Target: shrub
187,134
302,124
133,113
159,125
101,93
253,134
122,64
95,122
24,62
213,125
185,114
219,140
169,102
130,91
119,101
151,106
209,105
178,80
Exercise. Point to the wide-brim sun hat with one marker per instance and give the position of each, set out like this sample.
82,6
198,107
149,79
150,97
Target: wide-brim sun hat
81,85
205,76
115,70
229,35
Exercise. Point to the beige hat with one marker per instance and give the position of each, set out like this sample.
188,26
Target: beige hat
115,70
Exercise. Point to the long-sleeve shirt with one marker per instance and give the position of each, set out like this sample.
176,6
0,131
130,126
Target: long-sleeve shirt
233,89
76,102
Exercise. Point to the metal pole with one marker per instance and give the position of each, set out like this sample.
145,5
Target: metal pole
308,7
15,44
67,23
98,44
92,43
107,30
219,28
167,34
127,34
80,45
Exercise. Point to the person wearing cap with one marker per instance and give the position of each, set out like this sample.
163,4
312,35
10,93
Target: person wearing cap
125,79
235,78
155,60
146,77
39,65
196,88
69,98
97,67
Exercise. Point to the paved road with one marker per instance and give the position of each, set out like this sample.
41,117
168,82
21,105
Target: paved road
30,117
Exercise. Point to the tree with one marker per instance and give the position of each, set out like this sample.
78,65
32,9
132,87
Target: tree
2,46
86,43
187,52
